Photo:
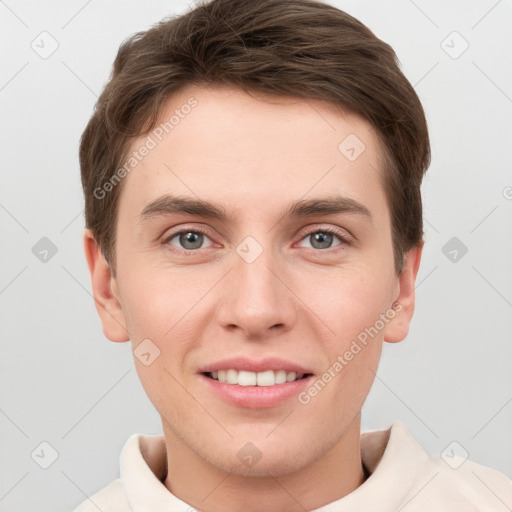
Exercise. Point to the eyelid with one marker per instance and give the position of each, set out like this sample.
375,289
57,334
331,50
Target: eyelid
180,228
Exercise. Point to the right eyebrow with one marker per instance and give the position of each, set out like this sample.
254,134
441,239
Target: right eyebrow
176,204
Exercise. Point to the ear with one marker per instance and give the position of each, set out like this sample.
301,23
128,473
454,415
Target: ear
398,328
106,294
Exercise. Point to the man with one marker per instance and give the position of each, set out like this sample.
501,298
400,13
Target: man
252,178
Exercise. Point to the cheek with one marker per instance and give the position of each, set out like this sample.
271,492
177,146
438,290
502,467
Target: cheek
350,302
352,307
155,300
159,306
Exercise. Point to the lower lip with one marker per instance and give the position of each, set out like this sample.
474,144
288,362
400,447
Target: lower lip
256,397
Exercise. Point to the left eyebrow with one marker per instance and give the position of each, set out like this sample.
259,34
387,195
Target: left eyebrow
326,206
169,204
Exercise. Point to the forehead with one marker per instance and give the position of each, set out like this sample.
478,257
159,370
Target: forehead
252,152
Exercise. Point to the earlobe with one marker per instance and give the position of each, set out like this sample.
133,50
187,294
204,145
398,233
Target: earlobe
106,294
398,328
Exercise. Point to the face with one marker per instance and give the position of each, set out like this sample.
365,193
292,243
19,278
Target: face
254,245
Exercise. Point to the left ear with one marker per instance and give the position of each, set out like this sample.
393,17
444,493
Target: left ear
398,328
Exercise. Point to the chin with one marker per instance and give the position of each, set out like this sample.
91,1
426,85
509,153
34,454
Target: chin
263,458
277,465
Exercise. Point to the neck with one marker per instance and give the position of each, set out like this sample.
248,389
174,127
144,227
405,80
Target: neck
194,480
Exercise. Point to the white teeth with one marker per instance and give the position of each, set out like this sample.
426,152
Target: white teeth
245,378
267,378
231,376
280,376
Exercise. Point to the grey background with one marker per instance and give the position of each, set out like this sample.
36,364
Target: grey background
63,383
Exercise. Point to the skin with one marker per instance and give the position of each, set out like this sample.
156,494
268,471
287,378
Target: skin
254,155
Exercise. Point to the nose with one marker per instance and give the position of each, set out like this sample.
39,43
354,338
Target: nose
256,299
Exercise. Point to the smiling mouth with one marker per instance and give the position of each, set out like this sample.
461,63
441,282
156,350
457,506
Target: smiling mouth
247,378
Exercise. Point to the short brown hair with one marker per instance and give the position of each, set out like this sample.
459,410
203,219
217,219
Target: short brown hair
301,48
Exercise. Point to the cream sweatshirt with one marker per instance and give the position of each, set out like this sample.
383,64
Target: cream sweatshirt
403,478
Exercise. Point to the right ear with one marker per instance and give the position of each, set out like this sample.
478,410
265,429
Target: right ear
106,294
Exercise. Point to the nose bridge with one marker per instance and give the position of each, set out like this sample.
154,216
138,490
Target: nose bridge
254,275
255,299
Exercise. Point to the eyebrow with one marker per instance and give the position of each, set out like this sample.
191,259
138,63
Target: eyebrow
169,204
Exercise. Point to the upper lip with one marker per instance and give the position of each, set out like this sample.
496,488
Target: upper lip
253,365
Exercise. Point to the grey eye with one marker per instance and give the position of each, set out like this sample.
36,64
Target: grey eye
189,240
321,239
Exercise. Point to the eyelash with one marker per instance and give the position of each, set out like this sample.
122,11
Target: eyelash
332,231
